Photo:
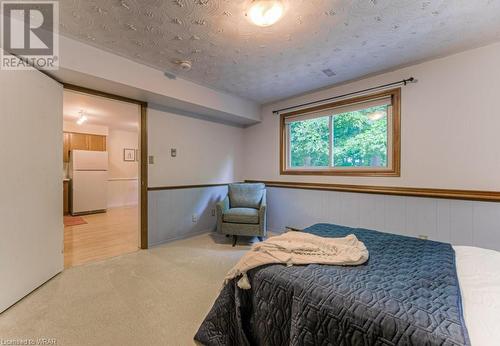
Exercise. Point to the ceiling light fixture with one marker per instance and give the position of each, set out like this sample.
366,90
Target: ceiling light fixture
265,12
83,118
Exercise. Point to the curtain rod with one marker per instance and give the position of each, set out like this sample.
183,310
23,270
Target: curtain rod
403,82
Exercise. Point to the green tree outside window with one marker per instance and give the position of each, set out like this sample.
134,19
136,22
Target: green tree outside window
359,140
309,142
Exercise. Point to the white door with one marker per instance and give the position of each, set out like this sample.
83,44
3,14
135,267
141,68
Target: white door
31,173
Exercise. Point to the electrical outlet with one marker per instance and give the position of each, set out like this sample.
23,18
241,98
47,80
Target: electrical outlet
173,152
151,159
194,218
423,237
213,212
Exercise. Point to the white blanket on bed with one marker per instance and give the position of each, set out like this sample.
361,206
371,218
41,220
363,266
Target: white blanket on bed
299,248
479,276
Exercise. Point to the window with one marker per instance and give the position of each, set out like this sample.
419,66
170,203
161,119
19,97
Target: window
358,136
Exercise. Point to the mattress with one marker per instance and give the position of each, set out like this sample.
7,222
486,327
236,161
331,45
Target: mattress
479,276
407,293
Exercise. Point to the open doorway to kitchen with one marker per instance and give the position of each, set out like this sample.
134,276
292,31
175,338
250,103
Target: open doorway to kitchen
102,175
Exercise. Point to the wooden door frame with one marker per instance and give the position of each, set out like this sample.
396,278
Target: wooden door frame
144,150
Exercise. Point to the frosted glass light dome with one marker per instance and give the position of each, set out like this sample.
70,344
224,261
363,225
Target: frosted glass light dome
265,12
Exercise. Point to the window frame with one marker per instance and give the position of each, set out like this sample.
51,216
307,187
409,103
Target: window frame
393,138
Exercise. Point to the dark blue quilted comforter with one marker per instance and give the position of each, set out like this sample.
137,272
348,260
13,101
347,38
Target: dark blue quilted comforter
406,294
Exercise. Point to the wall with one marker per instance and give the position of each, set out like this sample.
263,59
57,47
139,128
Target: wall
449,126
207,153
71,126
457,222
123,185
449,138
170,212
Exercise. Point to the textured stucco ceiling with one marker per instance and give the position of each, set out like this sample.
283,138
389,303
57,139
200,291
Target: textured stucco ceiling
351,38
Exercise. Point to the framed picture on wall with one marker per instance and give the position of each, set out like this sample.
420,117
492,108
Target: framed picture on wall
128,154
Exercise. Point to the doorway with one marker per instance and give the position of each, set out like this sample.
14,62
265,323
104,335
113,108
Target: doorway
104,175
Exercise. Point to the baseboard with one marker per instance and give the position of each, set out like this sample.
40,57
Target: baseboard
118,206
185,236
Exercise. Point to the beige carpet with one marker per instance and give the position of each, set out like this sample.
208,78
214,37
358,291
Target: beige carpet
153,297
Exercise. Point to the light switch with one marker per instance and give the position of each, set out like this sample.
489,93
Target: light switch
173,152
151,159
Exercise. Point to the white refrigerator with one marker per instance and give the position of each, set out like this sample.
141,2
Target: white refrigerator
88,171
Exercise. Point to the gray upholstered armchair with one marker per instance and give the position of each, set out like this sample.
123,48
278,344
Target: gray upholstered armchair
243,211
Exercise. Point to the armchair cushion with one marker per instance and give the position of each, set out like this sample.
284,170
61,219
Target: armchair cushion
241,215
246,195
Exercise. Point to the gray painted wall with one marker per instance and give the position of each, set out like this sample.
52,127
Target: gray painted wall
454,221
170,212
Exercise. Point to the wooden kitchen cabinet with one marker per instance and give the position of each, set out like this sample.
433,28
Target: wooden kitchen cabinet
81,141
97,143
66,147
78,141
65,197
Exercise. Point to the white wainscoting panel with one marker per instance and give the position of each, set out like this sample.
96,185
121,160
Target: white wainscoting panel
454,221
170,212
123,192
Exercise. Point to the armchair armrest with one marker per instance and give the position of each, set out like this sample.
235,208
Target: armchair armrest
223,205
263,202
262,215
220,208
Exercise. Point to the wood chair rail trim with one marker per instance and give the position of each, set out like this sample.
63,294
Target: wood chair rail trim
472,195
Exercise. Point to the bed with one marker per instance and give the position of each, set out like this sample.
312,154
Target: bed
407,293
